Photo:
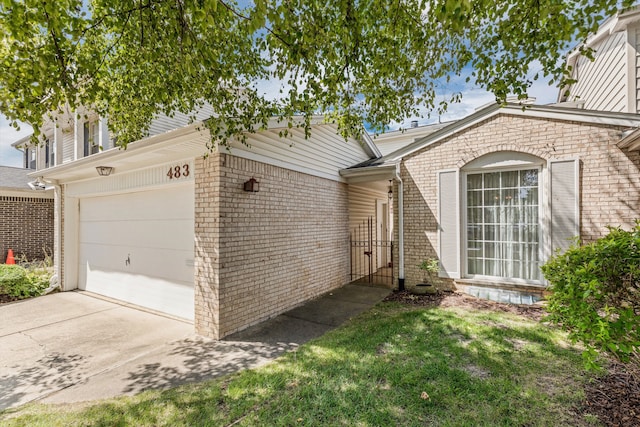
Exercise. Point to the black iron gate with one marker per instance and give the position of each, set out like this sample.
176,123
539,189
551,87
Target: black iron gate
371,255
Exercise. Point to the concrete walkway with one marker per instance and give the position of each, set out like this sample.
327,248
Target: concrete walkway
71,347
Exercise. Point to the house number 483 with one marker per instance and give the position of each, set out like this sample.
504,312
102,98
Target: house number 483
178,171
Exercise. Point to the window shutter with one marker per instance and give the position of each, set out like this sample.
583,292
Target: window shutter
448,224
565,203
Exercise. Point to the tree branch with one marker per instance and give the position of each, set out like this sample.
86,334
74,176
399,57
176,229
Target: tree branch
59,53
246,18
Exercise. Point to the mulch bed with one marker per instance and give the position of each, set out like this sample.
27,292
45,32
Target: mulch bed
614,397
7,298
457,299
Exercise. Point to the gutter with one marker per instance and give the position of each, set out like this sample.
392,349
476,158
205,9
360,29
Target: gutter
630,139
400,228
374,151
54,282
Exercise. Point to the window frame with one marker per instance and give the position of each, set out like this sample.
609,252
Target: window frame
89,147
49,153
542,238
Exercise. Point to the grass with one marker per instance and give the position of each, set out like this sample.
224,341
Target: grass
393,365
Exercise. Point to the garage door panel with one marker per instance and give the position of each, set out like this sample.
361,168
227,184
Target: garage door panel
139,248
150,262
176,203
153,233
126,287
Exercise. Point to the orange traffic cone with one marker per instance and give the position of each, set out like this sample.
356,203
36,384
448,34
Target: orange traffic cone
10,258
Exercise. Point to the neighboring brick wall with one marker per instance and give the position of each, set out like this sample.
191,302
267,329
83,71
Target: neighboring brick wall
260,254
26,226
609,177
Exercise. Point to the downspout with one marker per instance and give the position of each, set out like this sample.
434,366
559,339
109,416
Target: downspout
54,282
400,228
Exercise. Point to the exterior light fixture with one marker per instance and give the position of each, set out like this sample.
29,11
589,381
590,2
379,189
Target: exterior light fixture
390,193
104,170
38,184
252,186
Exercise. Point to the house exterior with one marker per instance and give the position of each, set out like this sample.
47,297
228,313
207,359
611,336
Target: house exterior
493,195
26,216
611,81
389,142
173,229
232,237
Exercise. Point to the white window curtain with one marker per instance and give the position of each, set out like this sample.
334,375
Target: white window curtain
503,224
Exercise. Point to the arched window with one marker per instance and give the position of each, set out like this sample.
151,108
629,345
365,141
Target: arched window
501,216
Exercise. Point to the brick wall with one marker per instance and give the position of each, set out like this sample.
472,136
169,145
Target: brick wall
259,254
26,226
609,176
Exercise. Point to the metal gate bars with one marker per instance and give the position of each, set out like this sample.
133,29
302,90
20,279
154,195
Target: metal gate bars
371,255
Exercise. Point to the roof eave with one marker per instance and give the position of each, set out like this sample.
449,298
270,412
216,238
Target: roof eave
630,141
84,167
384,171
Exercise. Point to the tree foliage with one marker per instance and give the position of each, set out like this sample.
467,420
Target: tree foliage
596,294
372,60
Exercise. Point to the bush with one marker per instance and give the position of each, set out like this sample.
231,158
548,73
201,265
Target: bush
20,283
11,276
595,294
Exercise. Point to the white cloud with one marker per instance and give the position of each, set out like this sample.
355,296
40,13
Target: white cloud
474,98
9,156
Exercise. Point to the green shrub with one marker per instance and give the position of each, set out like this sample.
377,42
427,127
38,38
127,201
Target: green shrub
20,283
11,276
595,294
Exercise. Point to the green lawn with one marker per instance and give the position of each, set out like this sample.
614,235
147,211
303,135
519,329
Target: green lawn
393,365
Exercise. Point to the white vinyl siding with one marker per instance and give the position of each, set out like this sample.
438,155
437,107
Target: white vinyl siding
139,248
362,204
324,154
449,223
389,147
163,123
602,83
565,211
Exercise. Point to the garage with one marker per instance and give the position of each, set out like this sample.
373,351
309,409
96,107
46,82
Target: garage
138,247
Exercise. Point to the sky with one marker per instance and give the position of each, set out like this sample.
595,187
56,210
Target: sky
9,156
472,98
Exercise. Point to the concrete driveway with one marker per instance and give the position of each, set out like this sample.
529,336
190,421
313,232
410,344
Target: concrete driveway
71,346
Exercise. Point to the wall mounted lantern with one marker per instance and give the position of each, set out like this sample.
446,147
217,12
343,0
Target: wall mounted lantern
104,170
38,184
390,193
252,185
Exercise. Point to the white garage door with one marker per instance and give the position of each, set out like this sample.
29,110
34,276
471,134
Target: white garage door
139,248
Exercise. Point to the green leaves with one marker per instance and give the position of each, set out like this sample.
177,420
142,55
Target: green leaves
373,60
596,294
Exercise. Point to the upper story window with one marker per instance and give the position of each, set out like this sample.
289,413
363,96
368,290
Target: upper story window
29,158
91,137
49,153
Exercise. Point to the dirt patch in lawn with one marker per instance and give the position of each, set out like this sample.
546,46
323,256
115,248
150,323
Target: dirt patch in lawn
457,299
614,397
